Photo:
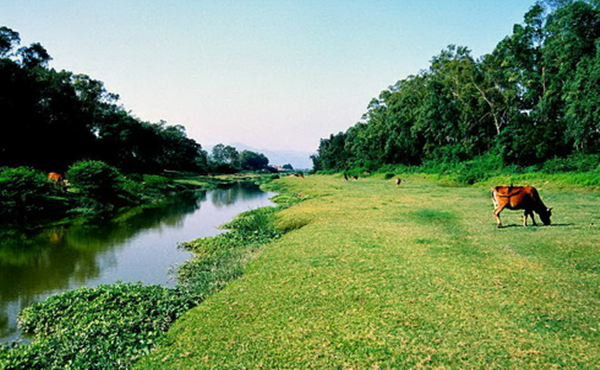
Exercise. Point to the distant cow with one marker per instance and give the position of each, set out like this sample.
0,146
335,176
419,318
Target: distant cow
355,177
520,197
58,180
398,181
55,178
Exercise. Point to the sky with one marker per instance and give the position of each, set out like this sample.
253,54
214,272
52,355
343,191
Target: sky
276,74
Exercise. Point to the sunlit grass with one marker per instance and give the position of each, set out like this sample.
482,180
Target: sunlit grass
375,276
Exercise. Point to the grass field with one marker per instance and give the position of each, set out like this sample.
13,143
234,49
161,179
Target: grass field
379,277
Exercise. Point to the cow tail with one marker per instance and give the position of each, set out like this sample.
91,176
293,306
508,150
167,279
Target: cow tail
494,200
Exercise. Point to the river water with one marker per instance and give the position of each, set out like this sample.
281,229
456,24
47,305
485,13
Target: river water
142,247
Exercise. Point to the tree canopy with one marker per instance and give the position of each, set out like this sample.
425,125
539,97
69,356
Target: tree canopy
226,158
533,98
50,119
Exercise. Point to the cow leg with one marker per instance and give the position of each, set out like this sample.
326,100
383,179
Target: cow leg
532,218
530,214
497,215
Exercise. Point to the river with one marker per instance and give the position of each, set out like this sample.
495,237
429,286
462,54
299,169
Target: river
141,247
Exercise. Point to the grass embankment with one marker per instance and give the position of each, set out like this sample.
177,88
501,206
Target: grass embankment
418,276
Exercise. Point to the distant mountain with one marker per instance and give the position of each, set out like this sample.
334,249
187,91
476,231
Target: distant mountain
299,160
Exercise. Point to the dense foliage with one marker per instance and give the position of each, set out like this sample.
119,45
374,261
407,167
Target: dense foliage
26,196
29,199
534,98
227,159
107,327
50,119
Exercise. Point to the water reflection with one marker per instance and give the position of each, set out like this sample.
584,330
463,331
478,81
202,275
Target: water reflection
228,195
139,246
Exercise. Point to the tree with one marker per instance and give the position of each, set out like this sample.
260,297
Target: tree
34,55
73,117
8,40
253,161
582,99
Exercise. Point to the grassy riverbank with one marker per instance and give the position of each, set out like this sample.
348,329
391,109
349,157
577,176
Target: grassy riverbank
379,277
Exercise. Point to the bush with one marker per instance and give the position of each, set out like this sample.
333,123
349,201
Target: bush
256,225
479,169
577,163
95,179
27,196
100,185
107,327
157,182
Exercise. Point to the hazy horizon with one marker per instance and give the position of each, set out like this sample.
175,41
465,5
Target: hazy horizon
277,75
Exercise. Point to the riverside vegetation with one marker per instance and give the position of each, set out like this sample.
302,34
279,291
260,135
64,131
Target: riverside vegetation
95,189
367,275
375,276
531,100
111,326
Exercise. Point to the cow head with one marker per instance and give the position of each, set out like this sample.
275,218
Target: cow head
545,216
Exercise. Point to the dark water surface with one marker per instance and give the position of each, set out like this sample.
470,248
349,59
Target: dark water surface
142,247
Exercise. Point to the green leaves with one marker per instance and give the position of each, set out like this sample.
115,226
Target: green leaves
533,98
107,327
26,196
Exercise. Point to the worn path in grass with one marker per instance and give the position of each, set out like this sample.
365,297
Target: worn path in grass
380,277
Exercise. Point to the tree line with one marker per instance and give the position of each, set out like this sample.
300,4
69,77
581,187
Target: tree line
535,97
51,119
227,159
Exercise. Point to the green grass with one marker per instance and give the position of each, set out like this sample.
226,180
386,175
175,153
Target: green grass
372,276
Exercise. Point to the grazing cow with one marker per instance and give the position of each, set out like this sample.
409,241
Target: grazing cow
398,181
520,197
58,180
55,178
355,177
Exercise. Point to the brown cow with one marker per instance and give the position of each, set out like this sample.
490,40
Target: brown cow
398,181
520,197
58,180
355,177
55,178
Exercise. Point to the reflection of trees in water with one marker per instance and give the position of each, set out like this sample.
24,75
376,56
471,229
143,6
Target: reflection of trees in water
48,269
229,195
34,265
117,231
58,258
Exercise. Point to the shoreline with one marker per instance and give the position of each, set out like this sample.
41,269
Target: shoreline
178,291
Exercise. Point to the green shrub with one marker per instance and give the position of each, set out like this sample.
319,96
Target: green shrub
95,179
107,327
255,225
477,169
157,182
101,186
26,195
574,163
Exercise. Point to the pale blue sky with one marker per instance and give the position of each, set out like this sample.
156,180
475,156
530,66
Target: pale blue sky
271,74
